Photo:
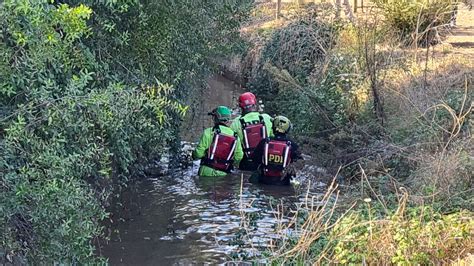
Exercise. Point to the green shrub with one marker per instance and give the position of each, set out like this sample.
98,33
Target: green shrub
88,97
297,48
61,162
67,133
301,76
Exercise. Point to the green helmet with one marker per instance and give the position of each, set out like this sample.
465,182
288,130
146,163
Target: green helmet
281,124
221,114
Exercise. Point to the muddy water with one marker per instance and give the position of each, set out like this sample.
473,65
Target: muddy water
182,219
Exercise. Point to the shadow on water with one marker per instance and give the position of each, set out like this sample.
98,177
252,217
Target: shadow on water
182,219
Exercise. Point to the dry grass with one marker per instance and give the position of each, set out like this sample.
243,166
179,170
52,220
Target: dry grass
422,92
406,236
415,87
318,222
446,175
466,261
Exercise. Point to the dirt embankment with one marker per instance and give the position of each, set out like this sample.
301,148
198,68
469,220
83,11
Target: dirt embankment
220,90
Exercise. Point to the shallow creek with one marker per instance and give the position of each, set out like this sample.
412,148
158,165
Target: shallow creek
182,219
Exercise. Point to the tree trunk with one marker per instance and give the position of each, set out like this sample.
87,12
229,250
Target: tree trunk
278,9
348,11
373,71
338,8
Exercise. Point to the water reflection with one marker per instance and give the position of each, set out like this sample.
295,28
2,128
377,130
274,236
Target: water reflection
181,219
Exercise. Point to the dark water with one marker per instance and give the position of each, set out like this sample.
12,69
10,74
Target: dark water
182,219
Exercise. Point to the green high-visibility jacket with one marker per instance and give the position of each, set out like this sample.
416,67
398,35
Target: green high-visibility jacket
205,142
252,116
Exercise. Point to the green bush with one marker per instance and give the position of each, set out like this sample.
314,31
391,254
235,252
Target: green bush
61,162
328,100
300,75
306,74
296,48
87,98
174,42
65,134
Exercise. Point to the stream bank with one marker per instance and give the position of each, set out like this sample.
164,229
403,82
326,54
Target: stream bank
220,90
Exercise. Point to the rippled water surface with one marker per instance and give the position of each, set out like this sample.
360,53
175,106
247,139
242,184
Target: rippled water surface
183,219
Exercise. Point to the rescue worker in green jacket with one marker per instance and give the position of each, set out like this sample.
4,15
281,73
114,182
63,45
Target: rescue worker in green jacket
219,147
251,127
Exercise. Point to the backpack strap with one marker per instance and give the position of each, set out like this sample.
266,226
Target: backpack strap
234,144
244,133
242,122
287,153
215,140
264,127
265,151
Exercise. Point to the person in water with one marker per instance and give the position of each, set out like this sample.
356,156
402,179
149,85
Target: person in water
251,127
219,147
275,154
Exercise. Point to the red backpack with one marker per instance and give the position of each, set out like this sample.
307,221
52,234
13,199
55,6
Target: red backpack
276,157
221,151
253,133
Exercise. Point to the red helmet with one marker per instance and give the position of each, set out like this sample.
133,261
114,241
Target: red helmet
247,99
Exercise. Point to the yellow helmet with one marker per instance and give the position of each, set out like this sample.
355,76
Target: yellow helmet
281,124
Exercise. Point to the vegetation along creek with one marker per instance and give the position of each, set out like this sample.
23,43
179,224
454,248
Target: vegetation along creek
277,132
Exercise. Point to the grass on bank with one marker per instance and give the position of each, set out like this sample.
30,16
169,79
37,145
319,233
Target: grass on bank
409,198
